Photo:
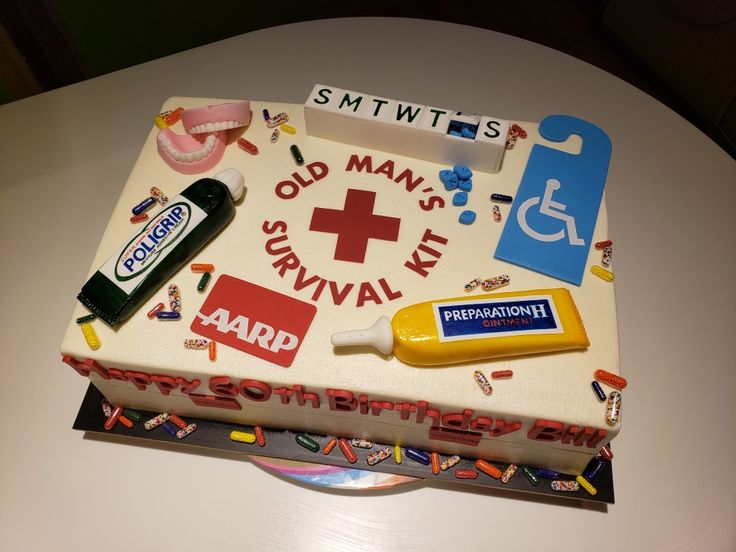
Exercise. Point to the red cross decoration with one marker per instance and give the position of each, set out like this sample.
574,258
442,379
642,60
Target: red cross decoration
354,225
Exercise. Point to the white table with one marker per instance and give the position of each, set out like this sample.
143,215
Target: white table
671,193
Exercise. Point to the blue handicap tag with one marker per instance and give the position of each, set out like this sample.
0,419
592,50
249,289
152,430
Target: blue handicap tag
551,223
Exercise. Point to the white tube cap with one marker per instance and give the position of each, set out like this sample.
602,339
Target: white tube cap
379,336
234,180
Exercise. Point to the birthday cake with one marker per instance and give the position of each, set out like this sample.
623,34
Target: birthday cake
363,213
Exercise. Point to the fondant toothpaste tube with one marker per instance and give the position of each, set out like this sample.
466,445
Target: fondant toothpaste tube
462,329
148,259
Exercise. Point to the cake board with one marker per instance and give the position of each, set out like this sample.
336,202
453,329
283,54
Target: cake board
281,444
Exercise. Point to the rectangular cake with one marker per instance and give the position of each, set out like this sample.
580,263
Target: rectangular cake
335,243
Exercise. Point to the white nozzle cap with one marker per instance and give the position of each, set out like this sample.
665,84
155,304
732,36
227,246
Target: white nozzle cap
379,336
234,180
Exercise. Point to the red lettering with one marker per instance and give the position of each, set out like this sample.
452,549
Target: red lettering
390,294
140,379
407,175
360,164
271,242
458,421
286,189
300,282
272,227
339,399
188,386
284,394
429,204
301,397
424,412
339,296
255,390
222,387
482,423
546,430
165,384
367,293
214,401
419,266
378,406
502,428
287,262
405,409
116,374
386,168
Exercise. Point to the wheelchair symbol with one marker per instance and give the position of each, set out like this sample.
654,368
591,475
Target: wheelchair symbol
552,209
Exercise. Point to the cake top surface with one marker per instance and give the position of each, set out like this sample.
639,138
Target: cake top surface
402,244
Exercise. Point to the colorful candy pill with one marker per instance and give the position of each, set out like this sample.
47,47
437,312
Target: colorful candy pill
459,199
113,418
212,350
296,154
156,421
501,198
594,468
602,273
203,281
519,131
139,218
603,244
347,450
470,286
191,428
248,146
144,206
435,460
379,456
275,136
202,267
277,120
86,318
174,298
90,336
171,117
466,474
177,421
496,282
417,455
361,443
606,452
496,213
502,374
155,310
488,468
196,343
260,436
613,380
331,444
467,217
125,421
106,408
530,476
585,484
449,462
598,390
158,195
508,473
547,474
307,442
288,129
242,437
168,315
397,454
606,257
482,382
132,414
565,486
613,408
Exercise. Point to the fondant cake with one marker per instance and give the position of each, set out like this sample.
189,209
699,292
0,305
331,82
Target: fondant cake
339,241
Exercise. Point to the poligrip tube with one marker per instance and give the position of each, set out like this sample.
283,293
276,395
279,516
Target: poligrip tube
462,329
149,258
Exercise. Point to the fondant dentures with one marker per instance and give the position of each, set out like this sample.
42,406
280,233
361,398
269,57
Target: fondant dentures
191,154
216,117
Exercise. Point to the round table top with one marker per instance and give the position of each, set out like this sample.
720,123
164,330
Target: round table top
64,158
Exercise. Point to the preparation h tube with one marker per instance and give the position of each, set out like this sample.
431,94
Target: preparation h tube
148,259
462,329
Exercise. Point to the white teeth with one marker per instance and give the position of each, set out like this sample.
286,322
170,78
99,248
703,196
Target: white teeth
188,156
214,127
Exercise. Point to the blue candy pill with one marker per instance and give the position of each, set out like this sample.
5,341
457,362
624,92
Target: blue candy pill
417,456
462,172
467,217
459,199
465,185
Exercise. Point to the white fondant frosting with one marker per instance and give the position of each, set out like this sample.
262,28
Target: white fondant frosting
430,256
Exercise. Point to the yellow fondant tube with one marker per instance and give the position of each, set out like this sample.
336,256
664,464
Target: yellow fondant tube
465,329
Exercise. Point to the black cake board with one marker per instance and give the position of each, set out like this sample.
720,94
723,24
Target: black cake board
282,444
